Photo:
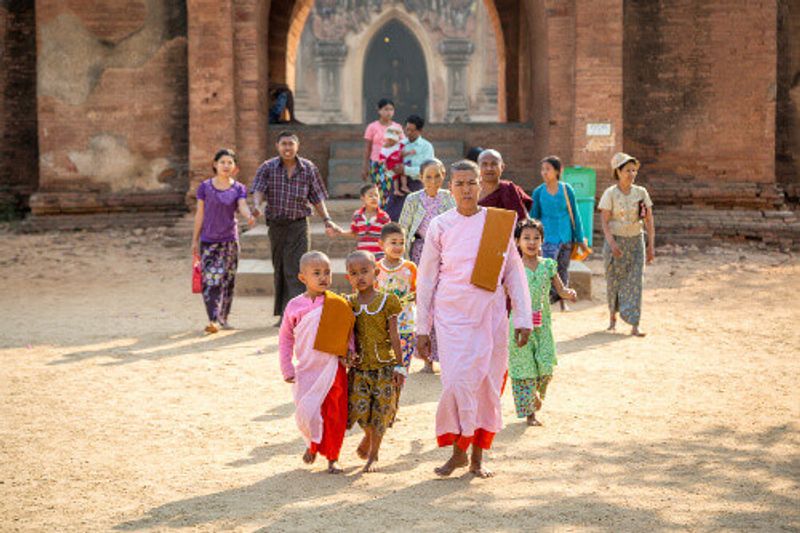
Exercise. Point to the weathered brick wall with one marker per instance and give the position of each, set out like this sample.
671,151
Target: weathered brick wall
212,85
553,53
112,105
574,51
18,136
598,84
699,99
787,150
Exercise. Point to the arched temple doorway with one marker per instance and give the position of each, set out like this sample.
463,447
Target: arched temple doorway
394,67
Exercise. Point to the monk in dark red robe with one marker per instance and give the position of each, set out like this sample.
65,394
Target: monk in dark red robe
501,193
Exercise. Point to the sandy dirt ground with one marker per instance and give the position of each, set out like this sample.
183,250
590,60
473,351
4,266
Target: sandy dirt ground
118,414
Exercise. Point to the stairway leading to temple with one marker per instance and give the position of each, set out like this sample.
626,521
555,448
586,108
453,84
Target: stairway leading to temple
255,275
347,158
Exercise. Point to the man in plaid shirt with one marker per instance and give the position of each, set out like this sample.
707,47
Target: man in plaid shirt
291,185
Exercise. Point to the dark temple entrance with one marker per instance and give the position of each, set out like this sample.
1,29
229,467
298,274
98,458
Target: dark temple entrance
395,68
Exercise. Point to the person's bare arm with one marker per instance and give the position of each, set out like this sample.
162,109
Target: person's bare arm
395,337
346,234
367,154
322,211
399,378
244,210
258,202
198,225
331,228
650,226
605,219
564,292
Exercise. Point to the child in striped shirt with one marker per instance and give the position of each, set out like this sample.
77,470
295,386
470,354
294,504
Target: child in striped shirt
368,221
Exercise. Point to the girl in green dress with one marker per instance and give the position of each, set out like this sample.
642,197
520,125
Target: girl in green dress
531,366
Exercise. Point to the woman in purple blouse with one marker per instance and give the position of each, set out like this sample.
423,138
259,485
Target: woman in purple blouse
216,236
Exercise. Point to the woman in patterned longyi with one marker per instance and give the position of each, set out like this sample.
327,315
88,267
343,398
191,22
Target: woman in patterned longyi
216,236
627,210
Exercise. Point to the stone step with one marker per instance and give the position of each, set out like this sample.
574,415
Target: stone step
354,150
449,151
580,279
344,177
341,209
255,278
347,150
254,243
345,165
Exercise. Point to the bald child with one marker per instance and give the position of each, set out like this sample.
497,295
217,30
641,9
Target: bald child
315,332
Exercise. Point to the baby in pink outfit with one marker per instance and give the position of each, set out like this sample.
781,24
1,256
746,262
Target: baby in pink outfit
392,156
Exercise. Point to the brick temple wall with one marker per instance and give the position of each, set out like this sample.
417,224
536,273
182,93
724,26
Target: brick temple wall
705,93
787,157
19,173
699,100
112,105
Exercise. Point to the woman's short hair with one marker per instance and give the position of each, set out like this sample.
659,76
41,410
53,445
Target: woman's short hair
430,163
555,162
222,152
383,102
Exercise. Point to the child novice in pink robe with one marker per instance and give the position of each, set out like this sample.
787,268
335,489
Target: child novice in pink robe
319,379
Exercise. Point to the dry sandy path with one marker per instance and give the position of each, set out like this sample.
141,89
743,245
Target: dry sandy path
117,414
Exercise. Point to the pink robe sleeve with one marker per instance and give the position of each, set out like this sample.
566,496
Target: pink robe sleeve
428,278
516,282
286,341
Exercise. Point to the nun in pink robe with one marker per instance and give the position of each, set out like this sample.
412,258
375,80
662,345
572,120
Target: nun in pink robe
471,327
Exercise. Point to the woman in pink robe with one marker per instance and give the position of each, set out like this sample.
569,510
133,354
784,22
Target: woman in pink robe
471,323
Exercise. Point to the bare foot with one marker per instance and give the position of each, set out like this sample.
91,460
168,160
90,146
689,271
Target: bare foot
612,325
363,448
333,468
455,461
212,327
636,333
564,307
537,401
480,471
532,420
428,368
309,458
371,466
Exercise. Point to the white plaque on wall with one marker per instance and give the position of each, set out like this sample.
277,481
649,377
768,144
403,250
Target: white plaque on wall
598,129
